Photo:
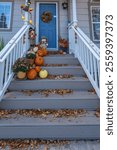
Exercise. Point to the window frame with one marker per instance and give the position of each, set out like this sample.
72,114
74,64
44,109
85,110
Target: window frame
10,15
93,22
91,5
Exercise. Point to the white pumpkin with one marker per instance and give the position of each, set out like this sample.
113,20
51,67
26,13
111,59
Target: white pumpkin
43,74
30,52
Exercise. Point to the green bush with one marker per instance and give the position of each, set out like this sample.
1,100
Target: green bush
1,44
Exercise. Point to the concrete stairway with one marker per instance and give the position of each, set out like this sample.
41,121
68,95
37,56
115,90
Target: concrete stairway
85,126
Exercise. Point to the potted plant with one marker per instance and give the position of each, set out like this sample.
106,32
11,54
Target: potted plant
20,68
63,44
30,57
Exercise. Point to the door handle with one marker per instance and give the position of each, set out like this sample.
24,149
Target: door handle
54,16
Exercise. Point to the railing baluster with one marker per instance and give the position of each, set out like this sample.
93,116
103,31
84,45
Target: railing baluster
2,65
6,69
91,63
98,66
10,53
88,54
95,69
10,63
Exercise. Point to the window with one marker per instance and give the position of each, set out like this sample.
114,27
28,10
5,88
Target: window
95,22
5,15
94,7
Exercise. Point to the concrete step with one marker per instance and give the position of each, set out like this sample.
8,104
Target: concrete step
72,70
75,83
37,100
85,126
61,60
60,55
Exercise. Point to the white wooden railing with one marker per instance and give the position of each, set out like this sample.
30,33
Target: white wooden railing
87,53
15,49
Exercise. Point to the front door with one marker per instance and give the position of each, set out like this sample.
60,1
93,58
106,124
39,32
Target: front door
48,24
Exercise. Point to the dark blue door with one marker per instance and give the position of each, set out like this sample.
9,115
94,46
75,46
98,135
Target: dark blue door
48,29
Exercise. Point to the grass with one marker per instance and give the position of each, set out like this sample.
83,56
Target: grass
1,44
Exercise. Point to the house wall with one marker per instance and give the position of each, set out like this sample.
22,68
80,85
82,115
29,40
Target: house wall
82,14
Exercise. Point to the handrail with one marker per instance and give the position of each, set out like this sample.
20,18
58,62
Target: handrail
87,53
9,44
15,49
89,41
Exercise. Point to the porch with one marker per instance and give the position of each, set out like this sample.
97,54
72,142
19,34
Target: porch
82,61
65,16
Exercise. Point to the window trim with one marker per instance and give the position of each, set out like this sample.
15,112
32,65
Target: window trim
11,15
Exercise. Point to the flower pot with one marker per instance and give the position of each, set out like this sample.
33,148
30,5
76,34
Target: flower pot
30,61
21,75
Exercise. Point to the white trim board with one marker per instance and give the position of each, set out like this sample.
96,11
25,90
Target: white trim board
37,22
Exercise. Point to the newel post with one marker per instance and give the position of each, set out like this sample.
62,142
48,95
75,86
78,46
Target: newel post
74,12
26,22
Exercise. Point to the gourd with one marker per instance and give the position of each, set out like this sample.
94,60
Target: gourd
35,49
39,61
31,74
43,74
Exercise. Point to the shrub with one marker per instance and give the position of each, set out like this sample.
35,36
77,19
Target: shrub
1,44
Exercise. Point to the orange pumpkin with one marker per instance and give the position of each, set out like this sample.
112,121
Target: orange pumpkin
31,74
38,69
39,61
40,53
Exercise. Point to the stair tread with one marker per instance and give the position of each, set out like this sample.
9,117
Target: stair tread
74,78
68,66
87,118
60,55
16,95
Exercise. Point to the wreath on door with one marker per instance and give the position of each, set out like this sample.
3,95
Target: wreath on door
46,16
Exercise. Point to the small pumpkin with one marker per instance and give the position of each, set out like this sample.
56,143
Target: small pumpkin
37,68
39,61
31,74
43,74
40,53
21,75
